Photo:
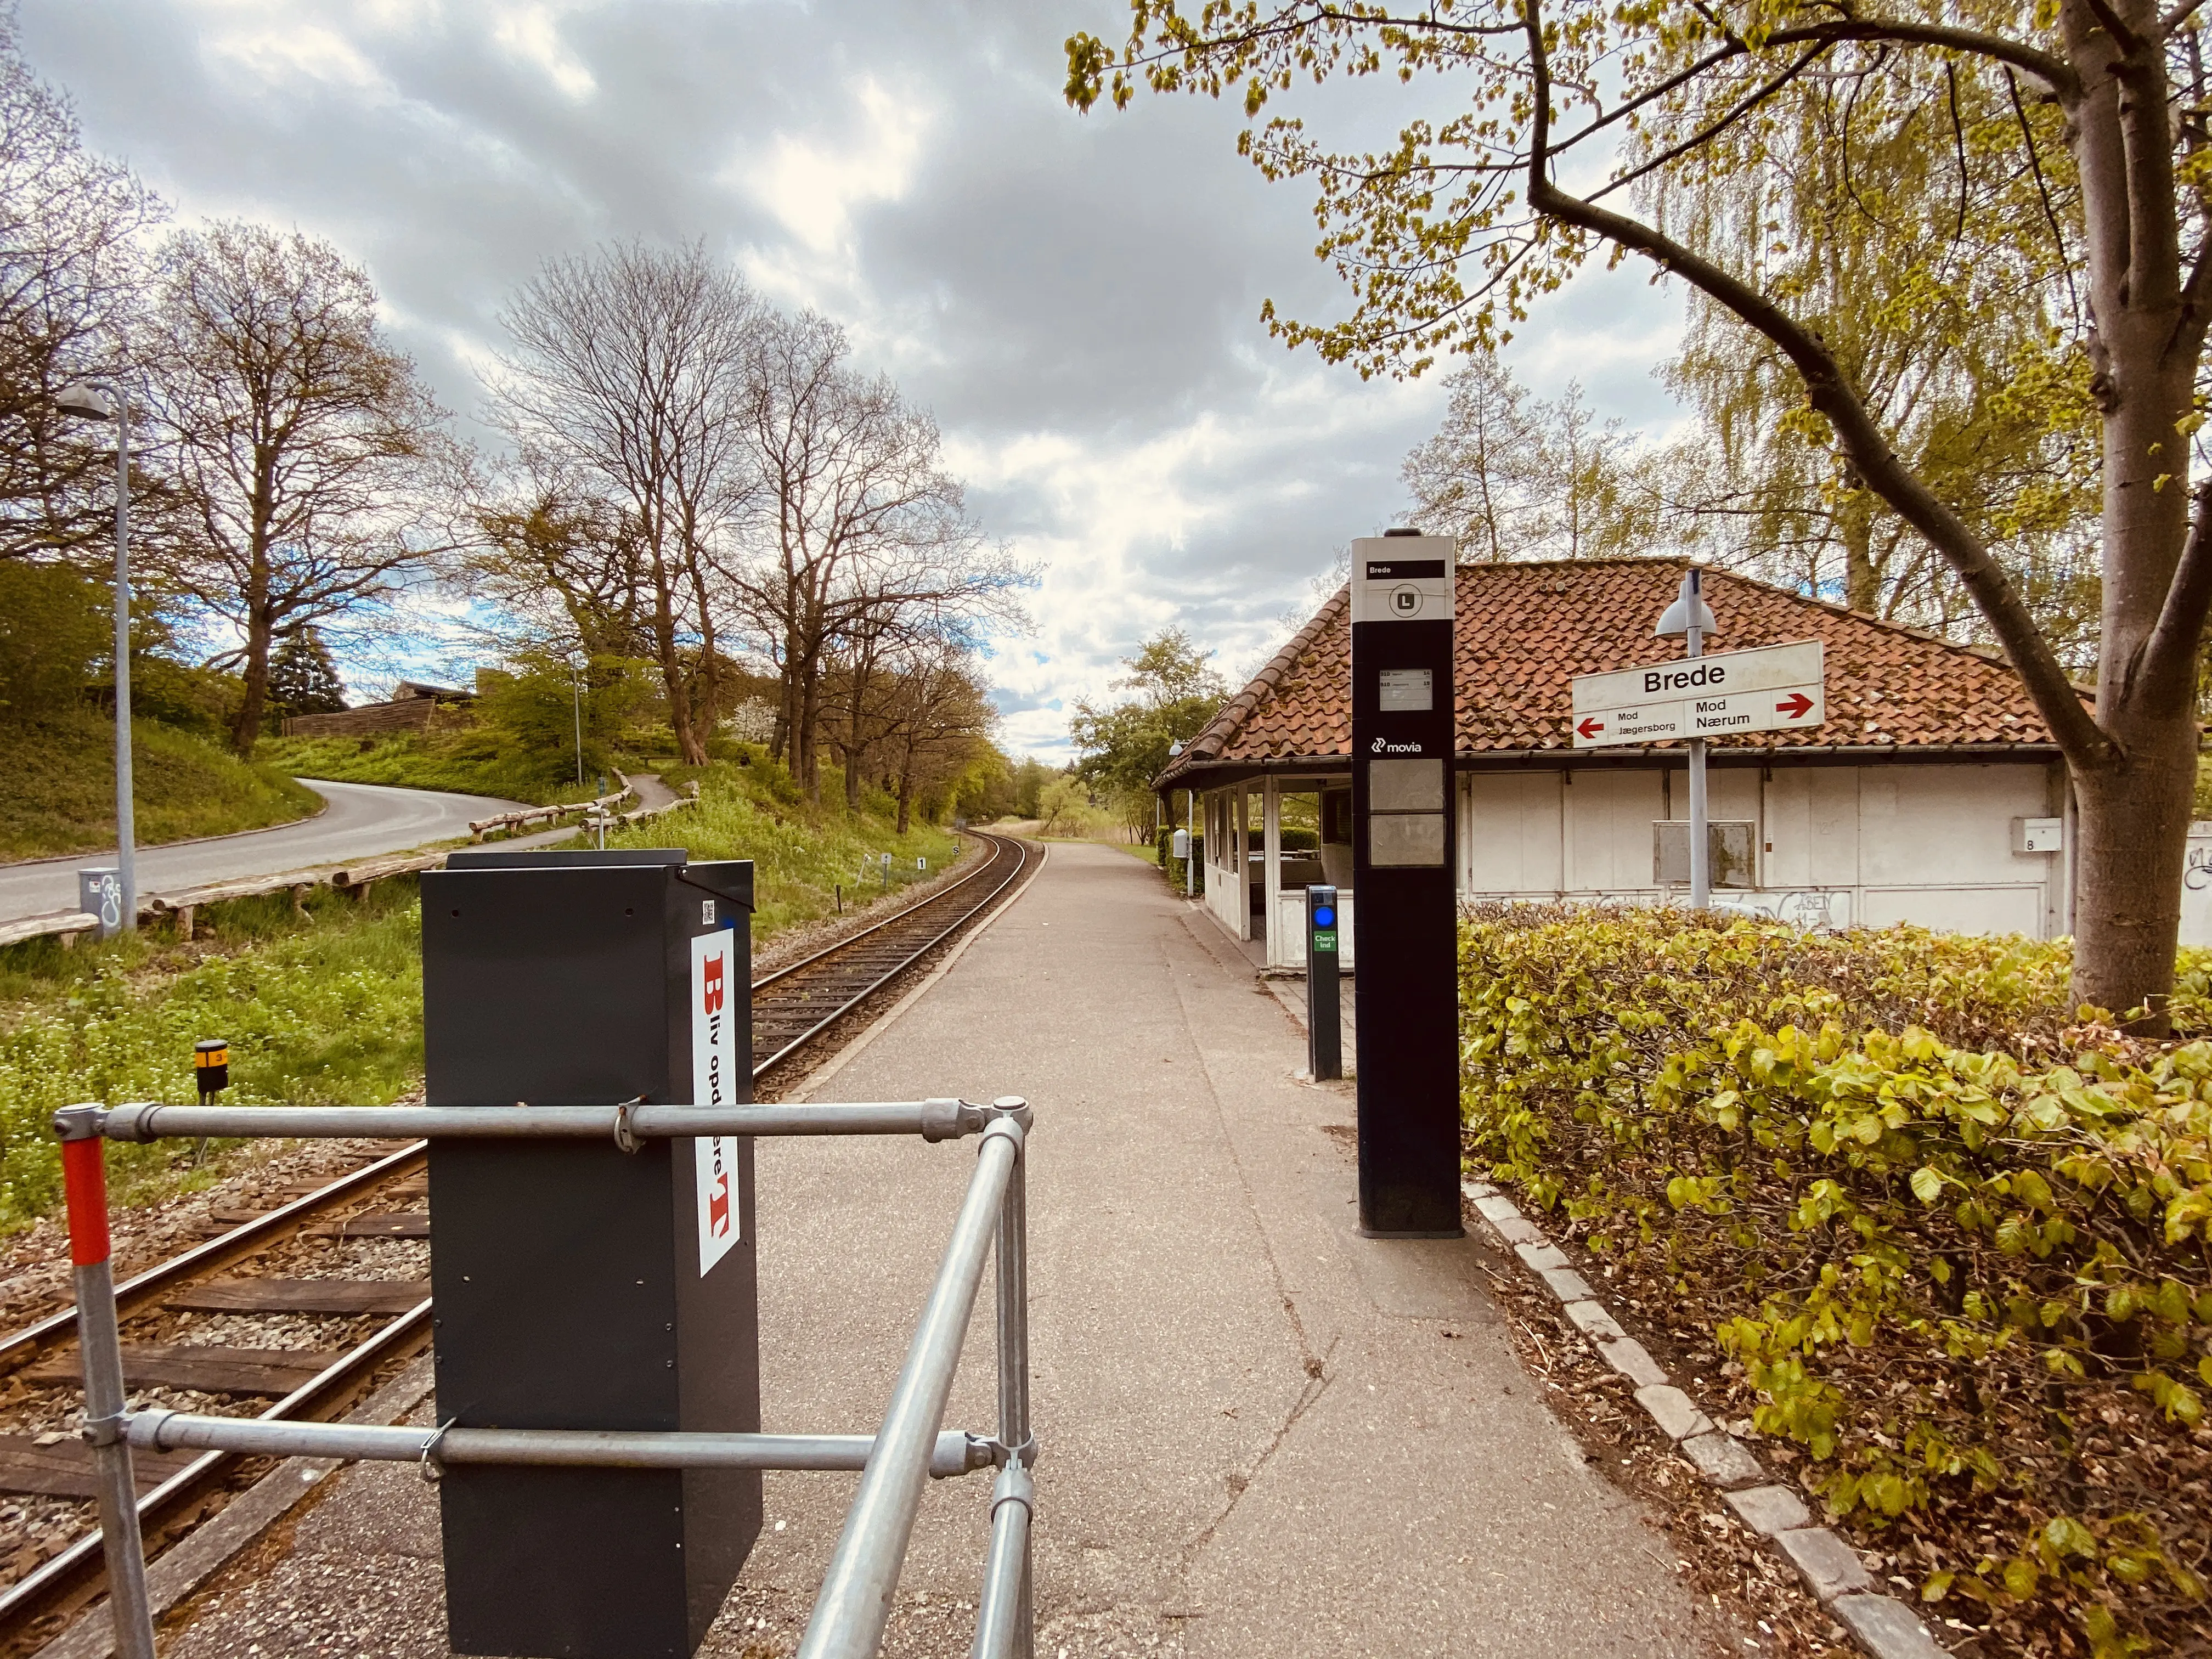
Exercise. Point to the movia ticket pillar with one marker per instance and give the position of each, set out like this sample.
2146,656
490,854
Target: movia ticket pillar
1404,915
592,1284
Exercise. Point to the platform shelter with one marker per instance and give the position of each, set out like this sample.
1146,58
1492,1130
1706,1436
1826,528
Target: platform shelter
1907,805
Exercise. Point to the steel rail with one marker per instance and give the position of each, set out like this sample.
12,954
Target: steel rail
1021,863
31,1596
218,1252
1002,1611
997,844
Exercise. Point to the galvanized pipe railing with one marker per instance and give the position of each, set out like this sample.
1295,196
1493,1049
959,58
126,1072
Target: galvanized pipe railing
855,1603
933,1119
952,1453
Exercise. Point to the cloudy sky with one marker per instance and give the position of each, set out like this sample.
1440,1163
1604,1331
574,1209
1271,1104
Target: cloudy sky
1076,298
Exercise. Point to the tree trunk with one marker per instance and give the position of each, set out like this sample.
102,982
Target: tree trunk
906,791
808,763
2135,809
2131,840
679,718
1861,582
245,728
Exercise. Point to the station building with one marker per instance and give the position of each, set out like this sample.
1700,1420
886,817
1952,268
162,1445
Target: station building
1913,803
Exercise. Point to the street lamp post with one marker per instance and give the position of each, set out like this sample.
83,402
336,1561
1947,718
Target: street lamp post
576,689
90,404
1690,616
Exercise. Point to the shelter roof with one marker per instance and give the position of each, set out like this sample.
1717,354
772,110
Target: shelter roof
1525,630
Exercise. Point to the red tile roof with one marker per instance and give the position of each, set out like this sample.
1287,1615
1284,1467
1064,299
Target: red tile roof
1526,629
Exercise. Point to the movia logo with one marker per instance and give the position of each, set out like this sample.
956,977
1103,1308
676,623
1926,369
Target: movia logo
1384,746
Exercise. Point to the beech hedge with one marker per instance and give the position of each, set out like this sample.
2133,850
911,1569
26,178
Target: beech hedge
1946,1242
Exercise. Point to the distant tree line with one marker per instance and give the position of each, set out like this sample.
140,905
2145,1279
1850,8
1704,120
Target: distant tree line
705,509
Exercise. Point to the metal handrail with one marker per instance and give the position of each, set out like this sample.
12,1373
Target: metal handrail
897,1463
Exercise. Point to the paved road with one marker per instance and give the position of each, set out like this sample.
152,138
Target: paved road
363,820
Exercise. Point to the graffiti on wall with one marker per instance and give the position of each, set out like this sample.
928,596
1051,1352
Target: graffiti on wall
1806,909
2196,874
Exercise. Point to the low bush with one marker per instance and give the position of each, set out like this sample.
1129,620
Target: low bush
1947,1243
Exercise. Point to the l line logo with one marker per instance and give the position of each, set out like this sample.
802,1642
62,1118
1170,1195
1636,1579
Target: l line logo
715,1157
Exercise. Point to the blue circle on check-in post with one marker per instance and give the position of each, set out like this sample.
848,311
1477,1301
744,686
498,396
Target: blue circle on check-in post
1324,917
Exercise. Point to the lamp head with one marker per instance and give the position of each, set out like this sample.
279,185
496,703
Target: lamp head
1689,606
86,403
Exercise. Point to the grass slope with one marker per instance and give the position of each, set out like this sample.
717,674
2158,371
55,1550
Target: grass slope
58,787
329,1009
473,761
801,855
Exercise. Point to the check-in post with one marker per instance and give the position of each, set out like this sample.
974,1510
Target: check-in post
1324,1004
1402,841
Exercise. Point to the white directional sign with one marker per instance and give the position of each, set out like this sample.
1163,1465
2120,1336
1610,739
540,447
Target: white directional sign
1768,690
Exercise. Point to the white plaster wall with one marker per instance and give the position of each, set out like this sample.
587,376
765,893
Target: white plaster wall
1608,816
1509,832
1920,843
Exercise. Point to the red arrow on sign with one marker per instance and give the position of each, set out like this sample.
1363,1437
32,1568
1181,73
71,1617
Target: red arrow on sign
1795,705
1591,726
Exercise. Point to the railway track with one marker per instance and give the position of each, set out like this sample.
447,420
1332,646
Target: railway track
307,1305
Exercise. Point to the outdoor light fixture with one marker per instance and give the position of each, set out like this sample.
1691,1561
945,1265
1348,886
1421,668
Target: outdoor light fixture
86,403
1675,618
90,403
577,663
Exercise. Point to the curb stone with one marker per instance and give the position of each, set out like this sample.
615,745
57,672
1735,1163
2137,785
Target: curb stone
1881,1626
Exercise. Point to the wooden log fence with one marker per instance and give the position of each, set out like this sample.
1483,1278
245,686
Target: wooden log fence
511,822
356,877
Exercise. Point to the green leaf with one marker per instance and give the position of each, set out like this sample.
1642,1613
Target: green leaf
1926,1185
2068,1537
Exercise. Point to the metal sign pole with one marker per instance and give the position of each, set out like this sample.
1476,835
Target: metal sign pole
1701,884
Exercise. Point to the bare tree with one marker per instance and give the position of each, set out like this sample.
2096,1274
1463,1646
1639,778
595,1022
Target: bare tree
631,374
310,461
855,522
938,718
69,262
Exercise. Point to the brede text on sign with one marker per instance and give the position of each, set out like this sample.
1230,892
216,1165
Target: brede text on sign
712,1057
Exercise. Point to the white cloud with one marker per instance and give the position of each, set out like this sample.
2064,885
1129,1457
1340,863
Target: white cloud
815,185
532,35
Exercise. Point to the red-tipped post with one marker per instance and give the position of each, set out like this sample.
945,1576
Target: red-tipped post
84,1185
84,1188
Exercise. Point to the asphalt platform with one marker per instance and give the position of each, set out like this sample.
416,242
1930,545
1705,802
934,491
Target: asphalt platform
1261,1435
